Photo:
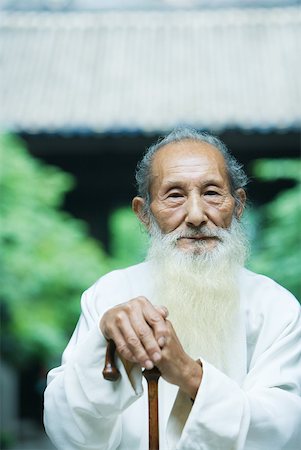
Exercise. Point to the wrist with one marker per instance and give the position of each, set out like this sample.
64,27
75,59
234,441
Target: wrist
192,378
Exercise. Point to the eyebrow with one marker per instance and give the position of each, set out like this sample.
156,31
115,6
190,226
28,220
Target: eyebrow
213,182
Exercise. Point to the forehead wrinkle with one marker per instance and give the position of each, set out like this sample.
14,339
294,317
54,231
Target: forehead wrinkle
185,169
211,182
184,174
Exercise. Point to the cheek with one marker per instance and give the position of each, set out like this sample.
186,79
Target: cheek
169,219
222,216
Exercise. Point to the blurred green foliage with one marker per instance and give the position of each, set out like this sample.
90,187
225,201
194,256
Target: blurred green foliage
277,240
47,258
129,240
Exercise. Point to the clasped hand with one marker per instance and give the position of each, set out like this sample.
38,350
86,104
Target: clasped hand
143,335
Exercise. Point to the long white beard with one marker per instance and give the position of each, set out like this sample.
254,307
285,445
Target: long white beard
200,290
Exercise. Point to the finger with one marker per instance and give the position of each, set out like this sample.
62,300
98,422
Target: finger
134,343
162,310
140,310
146,336
122,347
156,322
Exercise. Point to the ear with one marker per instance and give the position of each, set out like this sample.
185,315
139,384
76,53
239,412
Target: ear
138,205
242,196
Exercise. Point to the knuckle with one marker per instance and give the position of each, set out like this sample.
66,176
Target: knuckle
135,304
143,333
141,299
162,310
128,307
119,317
121,347
155,319
133,341
123,350
106,328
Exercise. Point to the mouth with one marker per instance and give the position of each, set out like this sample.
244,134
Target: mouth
198,238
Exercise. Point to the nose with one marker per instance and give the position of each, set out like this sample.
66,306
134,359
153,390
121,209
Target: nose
195,213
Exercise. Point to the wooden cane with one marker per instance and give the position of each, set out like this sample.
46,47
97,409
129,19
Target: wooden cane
111,373
152,377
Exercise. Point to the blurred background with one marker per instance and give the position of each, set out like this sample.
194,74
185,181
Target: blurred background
86,86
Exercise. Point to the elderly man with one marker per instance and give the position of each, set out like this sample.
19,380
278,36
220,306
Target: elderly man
226,340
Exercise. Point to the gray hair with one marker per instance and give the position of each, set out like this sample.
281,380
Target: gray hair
237,177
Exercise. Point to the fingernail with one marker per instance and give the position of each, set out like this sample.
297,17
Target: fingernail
156,357
161,341
148,364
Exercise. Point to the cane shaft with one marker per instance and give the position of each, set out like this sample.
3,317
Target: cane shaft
111,373
152,376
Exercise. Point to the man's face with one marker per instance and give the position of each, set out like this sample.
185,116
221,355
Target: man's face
190,191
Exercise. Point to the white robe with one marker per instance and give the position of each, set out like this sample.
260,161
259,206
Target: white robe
260,412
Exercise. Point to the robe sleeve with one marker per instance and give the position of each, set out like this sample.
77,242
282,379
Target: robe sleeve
265,411
81,409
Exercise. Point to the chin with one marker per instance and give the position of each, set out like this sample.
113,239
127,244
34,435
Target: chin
198,248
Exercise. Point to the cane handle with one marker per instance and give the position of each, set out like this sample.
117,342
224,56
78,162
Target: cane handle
110,371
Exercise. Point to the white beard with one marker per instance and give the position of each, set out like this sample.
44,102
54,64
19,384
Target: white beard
200,290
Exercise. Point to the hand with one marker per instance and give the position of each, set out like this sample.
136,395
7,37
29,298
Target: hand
138,329
177,367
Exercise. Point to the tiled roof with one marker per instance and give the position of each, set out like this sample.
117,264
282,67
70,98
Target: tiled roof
150,71
97,5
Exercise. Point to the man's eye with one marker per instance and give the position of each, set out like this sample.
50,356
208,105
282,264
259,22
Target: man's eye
175,195
211,193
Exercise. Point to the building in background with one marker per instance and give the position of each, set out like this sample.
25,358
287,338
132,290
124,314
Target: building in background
89,85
